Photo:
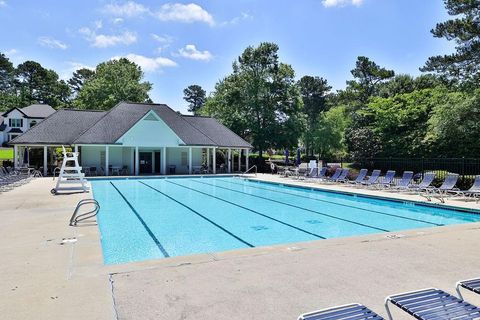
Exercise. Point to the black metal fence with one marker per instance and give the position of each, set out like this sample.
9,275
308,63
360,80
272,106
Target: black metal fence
467,168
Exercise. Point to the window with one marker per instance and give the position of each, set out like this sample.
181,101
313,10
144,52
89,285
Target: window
32,123
102,158
13,136
15,123
184,159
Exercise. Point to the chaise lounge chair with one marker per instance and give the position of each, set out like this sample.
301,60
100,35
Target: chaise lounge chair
432,304
317,175
371,180
472,285
354,311
339,178
360,178
441,192
473,192
404,182
334,176
386,181
424,184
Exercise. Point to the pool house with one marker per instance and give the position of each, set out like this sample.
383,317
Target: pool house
133,139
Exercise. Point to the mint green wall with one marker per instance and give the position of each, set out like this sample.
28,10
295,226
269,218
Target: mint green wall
149,133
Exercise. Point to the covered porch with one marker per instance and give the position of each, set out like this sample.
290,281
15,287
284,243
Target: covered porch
106,160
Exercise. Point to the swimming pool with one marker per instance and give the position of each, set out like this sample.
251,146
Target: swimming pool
150,218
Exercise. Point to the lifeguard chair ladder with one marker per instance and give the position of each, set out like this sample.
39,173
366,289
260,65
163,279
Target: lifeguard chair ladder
70,175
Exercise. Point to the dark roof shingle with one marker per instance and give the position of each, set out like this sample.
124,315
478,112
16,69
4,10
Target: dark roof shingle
95,127
38,111
221,135
62,127
125,115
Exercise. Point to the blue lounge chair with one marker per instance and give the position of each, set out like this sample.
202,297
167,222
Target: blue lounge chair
360,178
316,174
340,178
385,181
343,176
432,304
372,179
404,182
334,176
354,311
472,285
424,184
441,192
473,192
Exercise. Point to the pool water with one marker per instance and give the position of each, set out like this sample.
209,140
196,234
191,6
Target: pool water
149,218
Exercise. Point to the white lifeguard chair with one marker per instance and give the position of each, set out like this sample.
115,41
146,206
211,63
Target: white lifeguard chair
70,175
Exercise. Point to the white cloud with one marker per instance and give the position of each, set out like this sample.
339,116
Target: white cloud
341,3
186,13
243,16
104,41
67,73
52,43
191,52
117,20
149,64
11,52
164,41
3,3
128,9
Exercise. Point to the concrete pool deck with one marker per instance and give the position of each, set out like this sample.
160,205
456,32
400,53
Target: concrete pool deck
45,279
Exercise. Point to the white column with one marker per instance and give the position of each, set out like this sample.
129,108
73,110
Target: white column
45,160
208,158
214,161
190,160
240,160
106,161
246,159
15,156
163,164
137,162
229,160
76,149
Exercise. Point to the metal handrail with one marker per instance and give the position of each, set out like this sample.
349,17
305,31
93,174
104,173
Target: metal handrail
55,171
254,166
86,215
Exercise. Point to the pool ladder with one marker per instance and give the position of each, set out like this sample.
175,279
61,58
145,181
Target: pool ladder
250,169
77,217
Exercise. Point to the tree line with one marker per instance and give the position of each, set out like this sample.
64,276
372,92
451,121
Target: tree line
102,88
378,114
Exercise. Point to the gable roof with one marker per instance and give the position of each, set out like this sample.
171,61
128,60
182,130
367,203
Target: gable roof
221,135
34,111
38,111
67,126
125,115
62,127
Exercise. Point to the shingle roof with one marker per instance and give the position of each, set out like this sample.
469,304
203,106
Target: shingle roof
62,127
15,130
94,127
125,115
221,135
2,125
38,111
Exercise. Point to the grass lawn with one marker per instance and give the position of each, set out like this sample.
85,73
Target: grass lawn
6,153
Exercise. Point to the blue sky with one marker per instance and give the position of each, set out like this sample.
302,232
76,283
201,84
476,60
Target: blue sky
183,43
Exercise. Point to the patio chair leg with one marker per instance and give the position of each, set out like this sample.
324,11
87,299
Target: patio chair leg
457,287
388,309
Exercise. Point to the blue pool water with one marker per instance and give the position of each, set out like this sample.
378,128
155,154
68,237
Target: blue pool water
144,219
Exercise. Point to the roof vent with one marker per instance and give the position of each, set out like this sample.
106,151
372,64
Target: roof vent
151,117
